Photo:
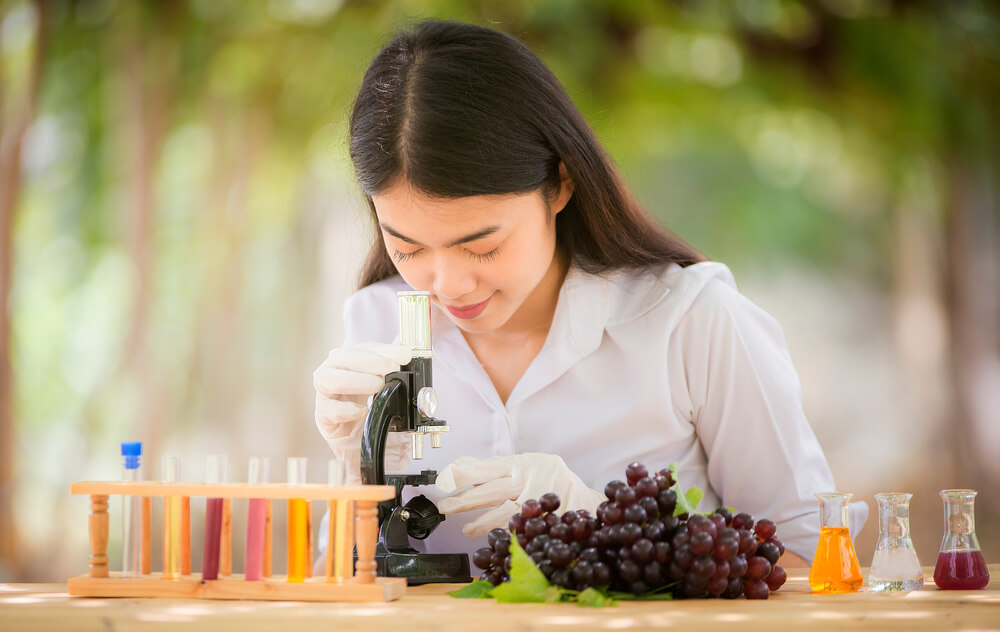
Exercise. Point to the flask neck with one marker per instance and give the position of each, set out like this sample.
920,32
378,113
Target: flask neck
833,509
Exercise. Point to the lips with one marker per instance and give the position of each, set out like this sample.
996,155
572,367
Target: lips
469,311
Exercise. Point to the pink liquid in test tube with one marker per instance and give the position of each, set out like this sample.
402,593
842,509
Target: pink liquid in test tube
254,556
215,473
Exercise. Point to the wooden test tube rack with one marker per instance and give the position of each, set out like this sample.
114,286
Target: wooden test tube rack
361,585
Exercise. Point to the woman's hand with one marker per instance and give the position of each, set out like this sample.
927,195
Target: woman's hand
343,383
505,482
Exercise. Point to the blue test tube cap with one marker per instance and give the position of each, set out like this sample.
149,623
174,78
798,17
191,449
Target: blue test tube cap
131,450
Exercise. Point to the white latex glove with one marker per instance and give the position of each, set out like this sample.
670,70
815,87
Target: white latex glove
505,483
343,383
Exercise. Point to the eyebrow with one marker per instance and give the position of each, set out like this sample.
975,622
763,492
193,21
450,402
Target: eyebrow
479,234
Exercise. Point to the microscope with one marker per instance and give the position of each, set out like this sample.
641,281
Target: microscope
407,403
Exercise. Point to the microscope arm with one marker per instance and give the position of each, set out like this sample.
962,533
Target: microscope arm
388,408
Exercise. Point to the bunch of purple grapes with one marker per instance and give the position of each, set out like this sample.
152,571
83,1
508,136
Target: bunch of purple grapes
635,544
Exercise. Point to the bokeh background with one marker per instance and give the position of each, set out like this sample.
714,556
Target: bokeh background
179,225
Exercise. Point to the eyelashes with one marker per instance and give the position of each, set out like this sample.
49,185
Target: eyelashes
403,257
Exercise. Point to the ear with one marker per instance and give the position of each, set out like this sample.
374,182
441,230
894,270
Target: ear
566,188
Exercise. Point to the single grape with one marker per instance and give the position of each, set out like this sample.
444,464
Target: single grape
742,521
695,581
662,482
635,513
496,560
629,570
748,543
765,529
674,571
516,523
580,530
717,586
522,540
652,573
631,532
497,535
651,507
737,567
769,551
502,547
612,488
506,563
722,569
701,543
777,578
635,471
551,519
646,487
576,547
560,532
561,577
590,554
729,532
559,554
568,518
491,577
626,496
726,514
604,537
582,573
670,522
718,521
680,539
758,567
667,474
531,509
778,543
642,551
703,566
662,552
600,510
593,540
535,527
755,589
537,557
616,534
666,501
602,574
547,568
698,524
683,556
549,502
726,547
654,530
610,556
482,557
734,589
583,514
613,514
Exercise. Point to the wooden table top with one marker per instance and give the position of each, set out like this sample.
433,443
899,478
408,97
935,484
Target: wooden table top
428,608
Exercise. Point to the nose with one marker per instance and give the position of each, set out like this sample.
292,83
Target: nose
452,278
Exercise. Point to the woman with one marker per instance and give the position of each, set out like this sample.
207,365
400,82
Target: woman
572,334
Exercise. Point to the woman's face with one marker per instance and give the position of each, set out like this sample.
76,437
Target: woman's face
482,258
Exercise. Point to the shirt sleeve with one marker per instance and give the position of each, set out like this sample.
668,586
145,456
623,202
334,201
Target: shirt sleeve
763,457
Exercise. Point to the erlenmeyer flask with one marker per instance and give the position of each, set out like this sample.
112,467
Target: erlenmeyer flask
960,564
835,567
895,566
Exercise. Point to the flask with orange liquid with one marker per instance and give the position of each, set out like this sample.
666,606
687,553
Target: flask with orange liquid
835,567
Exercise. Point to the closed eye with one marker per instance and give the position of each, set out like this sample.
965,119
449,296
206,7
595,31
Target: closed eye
485,257
404,256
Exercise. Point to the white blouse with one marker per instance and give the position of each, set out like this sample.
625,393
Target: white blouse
660,365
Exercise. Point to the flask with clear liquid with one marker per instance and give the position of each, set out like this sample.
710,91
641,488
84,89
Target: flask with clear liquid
835,567
895,566
960,564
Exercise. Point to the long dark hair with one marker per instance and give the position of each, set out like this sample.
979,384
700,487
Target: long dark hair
458,110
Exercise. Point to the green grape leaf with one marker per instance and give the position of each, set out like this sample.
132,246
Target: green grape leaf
478,589
687,502
593,598
527,583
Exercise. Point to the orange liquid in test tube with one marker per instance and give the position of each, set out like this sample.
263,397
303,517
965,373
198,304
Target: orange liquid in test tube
298,529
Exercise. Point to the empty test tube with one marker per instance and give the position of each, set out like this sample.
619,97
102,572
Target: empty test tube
253,560
214,473
171,473
298,535
131,453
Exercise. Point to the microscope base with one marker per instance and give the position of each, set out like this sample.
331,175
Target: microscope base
424,568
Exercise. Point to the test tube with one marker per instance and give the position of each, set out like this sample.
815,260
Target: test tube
131,453
253,560
171,473
215,472
298,510
340,539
